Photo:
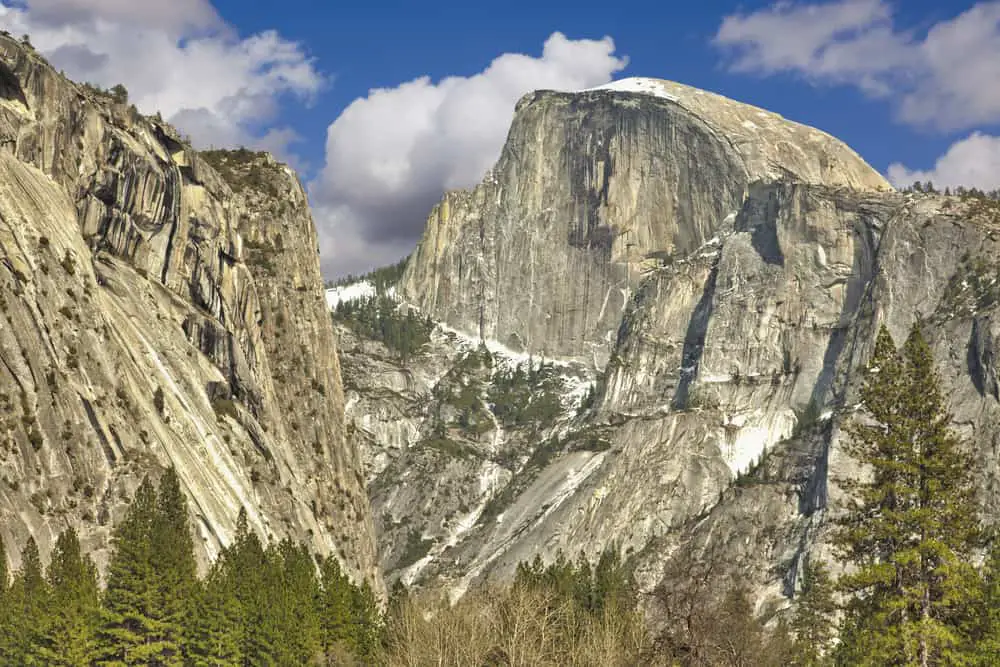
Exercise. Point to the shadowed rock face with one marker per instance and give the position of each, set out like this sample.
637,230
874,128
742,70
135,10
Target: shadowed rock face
154,312
733,356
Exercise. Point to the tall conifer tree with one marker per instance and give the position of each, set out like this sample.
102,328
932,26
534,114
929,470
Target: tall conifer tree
294,599
253,579
26,604
989,640
910,532
335,608
129,631
213,633
813,622
69,634
174,567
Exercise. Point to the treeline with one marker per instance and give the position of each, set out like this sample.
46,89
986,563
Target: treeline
562,615
257,605
573,614
378,317
382,278
927,187
526,394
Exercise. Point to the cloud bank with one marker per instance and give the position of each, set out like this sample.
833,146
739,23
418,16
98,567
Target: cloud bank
940,79
971,162
391,154
177,57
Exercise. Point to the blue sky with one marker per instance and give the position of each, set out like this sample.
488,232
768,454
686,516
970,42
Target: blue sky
382,44
911,84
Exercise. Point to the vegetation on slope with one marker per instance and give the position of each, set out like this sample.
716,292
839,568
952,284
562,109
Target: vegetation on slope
259,604
912,595
380,318
382,278
243,169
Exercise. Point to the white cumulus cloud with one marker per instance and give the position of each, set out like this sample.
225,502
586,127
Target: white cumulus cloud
172,16
176,57
942,78
939,79
970,162
391,154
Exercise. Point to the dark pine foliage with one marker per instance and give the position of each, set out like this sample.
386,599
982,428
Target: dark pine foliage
258,604
379,318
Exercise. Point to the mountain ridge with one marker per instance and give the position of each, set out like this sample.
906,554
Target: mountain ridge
723,372
154,315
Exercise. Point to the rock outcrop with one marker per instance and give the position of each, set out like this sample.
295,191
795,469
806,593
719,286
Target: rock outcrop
160,307
725,272
591,190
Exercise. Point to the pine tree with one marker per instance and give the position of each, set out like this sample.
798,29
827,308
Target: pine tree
335,604
988,646
295,603
26,604
6,613
213,633
69,635
128,629
911,529
613,585
812,623
366,620
254,581
174,567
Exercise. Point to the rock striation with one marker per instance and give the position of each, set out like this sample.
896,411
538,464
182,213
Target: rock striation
160,307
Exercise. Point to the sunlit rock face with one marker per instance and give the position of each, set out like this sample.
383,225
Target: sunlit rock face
593,189
158,307
720,273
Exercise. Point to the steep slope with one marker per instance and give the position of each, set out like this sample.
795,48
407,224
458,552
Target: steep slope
445,432
151,316
732,357
591,190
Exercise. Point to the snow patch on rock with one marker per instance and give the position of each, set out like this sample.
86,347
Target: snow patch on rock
637,85
363,289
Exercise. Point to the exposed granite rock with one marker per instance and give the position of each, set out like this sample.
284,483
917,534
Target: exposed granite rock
150,315
733,359
438,451
591,190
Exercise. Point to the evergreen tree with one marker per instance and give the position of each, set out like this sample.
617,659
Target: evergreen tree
812,623
173,566
366,621
253,579
295,603
335,604
910,531
989,641
613,585
128,631
213,633
69,633
25,604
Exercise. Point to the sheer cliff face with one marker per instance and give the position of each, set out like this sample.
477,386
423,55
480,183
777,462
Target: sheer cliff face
153,313
591,191
733,363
